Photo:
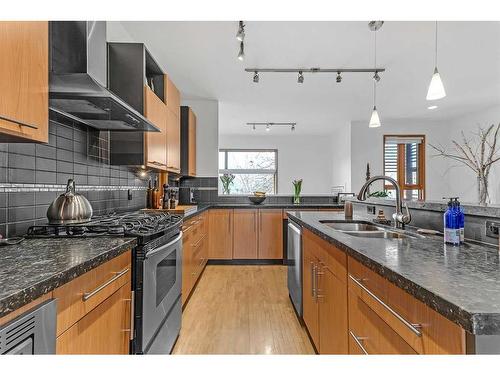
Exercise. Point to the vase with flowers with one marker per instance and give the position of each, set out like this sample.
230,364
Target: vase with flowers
297,187
227,181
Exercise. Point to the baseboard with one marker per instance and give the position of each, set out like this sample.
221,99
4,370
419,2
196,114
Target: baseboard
245,262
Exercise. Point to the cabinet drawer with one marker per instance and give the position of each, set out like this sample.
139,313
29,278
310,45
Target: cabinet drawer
422,328
81,295
328,255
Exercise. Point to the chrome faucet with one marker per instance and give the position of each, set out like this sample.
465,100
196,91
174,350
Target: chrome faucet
400,219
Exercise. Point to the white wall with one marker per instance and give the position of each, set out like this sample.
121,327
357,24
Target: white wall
367,145
306,156
341,156
207,129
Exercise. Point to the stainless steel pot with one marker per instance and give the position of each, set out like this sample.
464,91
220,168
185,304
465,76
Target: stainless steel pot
70,207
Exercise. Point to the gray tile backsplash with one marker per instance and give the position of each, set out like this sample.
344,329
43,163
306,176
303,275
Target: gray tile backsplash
33,175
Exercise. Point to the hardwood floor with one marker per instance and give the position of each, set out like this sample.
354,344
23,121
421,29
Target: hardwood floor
242,310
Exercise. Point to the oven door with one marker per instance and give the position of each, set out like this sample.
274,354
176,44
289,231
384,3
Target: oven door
162,286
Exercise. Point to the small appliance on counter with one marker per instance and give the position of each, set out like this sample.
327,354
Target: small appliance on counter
186,195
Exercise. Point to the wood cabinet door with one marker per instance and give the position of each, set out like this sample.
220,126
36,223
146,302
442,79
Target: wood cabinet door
332,303
187,280
309,304
270,234
220,222
155,142
104,330
245,234
24,86
172,97
173,142
192,144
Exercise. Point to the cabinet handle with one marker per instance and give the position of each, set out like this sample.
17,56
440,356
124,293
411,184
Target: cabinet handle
87,296
18,122
132,315
358,341
198,242
412,327
318,274
312,279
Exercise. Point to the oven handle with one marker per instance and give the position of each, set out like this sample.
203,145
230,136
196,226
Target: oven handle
162,248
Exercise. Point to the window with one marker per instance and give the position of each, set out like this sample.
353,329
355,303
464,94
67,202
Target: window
404,160
254,170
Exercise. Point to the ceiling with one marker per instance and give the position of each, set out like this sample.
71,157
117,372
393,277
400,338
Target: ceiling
201,59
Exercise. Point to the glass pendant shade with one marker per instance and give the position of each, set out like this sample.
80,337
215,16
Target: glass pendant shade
374,120
436,88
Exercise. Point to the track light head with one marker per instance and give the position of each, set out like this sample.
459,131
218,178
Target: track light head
240,35
253,127
241,54
293,128
256,77
339,77
376,77
300,78
268,128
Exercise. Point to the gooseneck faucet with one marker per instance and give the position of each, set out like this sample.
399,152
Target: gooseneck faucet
400,219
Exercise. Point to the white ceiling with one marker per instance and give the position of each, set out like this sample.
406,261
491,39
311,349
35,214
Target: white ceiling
201,59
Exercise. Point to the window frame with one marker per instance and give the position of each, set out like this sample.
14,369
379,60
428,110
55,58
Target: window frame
401,162
250,171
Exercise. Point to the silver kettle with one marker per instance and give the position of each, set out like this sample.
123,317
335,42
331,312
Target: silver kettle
70,207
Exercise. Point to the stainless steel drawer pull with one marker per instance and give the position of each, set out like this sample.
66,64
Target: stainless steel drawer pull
18,122
358,341
132,315
313,278
412,327
89,295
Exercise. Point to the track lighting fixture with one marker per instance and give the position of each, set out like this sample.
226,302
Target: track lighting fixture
256,77
240,35
300,78
339,77
241,54
269,124
376,77
436,87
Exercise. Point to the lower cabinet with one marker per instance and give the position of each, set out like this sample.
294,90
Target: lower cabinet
245,234
220,222
325,295
104,330
270,234
194,252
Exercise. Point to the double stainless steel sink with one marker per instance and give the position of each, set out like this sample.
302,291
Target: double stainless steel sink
366,229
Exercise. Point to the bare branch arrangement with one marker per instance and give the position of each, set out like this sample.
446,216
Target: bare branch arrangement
478,154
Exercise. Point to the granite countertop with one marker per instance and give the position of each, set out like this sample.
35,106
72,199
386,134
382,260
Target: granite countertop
37,266
291,206
461,283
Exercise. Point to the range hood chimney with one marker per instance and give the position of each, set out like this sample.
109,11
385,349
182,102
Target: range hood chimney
78,79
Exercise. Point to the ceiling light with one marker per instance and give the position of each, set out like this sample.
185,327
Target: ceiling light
300,78
253,126
436,87
432,107
374,120
241,54
293,128
240,35
267,128
339,77
256,77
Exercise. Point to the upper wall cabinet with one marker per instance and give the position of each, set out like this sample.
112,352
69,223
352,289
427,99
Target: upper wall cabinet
135,76
188,142
24,82
173,126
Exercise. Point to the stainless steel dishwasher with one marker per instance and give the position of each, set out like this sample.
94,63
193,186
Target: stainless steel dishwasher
294,255
33,332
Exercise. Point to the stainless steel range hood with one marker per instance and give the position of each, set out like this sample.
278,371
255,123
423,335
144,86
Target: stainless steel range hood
78,78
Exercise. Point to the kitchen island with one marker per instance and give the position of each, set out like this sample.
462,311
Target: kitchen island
461,284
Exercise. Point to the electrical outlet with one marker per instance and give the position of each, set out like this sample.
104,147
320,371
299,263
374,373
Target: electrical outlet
492,229
370,209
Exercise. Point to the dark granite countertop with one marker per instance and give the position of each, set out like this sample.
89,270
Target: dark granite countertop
461,283
37,266
290,206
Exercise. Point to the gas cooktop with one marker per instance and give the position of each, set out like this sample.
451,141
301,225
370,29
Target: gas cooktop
144,225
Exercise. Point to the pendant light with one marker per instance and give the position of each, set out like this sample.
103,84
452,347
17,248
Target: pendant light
241,54
375,119
436,87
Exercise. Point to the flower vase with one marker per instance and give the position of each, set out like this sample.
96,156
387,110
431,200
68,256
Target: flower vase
482,189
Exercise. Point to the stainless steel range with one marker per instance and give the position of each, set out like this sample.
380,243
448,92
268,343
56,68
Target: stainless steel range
157,265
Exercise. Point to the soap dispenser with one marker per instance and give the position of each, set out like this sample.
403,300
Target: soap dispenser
451,224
